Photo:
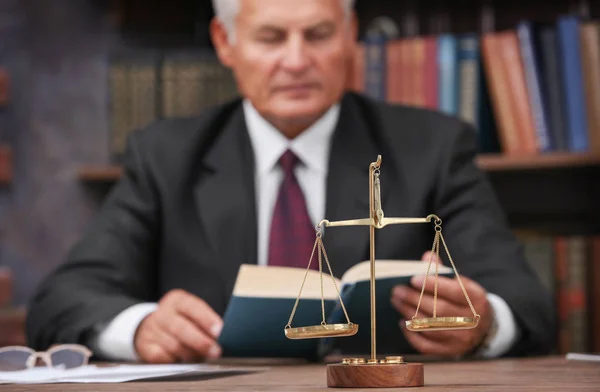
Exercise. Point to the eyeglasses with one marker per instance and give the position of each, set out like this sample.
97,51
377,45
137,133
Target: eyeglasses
66,356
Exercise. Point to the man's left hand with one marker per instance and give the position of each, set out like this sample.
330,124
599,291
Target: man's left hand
450,302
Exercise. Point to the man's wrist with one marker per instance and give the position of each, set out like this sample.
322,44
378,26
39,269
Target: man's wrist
115,340
503,331
489,335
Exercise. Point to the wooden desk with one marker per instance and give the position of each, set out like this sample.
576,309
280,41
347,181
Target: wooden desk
543,374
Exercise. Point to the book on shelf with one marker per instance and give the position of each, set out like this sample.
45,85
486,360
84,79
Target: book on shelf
568,29
5,164
264,296
134,91
4,86
590,51
6,281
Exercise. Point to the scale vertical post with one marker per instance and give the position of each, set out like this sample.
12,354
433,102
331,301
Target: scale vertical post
372,216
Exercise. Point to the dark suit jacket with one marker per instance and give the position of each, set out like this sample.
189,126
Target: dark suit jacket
183,216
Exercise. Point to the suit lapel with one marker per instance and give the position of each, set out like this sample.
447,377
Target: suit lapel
225,198
353,149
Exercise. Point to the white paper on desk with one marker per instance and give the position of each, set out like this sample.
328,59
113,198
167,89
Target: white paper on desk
583,357
117,374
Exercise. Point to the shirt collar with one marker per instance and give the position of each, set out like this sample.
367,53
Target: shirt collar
311,146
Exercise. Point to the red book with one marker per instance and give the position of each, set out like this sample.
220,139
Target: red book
356,73
4,87
562,293
5,287
395,71
5,164
594,291
508,93
430,73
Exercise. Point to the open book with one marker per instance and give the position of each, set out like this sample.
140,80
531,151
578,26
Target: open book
264,296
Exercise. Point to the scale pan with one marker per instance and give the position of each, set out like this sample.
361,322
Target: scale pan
441,323
321,331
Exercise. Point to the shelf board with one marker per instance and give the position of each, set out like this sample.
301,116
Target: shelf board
488,162
5,165
500,162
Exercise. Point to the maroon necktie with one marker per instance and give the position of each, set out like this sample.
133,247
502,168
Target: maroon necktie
292,233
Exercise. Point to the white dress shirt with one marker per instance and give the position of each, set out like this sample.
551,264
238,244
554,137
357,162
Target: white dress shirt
312,149
115,341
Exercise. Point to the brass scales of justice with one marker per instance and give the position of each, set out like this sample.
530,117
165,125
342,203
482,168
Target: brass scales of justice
372,372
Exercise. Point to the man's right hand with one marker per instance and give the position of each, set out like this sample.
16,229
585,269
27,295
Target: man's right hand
184,328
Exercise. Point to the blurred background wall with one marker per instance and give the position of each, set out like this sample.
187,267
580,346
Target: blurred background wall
56,55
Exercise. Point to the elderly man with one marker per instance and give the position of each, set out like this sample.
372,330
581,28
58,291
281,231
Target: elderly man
153,275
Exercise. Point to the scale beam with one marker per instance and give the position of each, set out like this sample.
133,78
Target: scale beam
375,223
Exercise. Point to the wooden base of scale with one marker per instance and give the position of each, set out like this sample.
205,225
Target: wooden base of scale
384,374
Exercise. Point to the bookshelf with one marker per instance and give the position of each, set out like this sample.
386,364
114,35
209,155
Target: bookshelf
488,162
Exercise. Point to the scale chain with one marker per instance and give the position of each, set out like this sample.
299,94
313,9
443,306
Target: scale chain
435,243
458,277
333,279
289,324
321,276
437,265
321,248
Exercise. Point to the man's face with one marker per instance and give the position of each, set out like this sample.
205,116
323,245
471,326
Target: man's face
290,56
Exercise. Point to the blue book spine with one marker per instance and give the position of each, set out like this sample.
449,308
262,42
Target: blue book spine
552,87
534,90
448,73
469,91
572,78
375,67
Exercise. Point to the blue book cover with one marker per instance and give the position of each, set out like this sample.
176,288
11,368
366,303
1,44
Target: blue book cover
529,54
474,103
572,78
469,75
375,66
264,296
487,127
448,74
552,87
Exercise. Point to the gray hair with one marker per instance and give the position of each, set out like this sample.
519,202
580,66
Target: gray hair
226,11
